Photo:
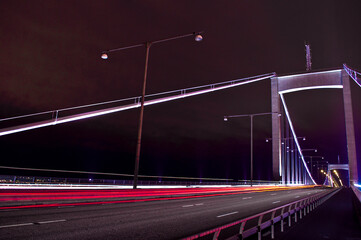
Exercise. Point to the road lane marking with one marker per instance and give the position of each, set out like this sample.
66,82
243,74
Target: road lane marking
227,214
247,198
276,202
16,225
188,205
273,194
297,196
51,221
308,193
199,204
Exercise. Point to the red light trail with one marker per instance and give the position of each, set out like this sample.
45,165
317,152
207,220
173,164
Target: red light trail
109,196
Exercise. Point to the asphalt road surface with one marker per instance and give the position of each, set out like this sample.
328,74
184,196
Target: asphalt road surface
164,219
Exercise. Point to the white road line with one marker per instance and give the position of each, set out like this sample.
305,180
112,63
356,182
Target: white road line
227,214
16,225
188,205
308,193
199,204
297,196
276,202
273,194
52,221
247,198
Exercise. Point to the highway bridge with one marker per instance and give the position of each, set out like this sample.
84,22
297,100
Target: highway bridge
231,212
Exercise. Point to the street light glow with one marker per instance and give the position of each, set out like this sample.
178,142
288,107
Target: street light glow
198,38
104,56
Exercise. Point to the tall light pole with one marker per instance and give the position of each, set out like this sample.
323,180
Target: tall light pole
197,37
251,118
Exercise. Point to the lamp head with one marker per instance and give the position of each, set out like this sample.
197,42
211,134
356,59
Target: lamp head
225,119
104,56
198,37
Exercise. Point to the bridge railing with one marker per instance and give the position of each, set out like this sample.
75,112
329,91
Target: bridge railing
255,224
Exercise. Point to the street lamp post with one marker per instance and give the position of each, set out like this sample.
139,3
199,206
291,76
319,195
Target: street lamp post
251,118
197,37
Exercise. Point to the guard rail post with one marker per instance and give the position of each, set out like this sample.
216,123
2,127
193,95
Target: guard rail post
241,229
289,216
282,213
273,224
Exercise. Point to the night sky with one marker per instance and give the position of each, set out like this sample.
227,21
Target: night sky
50,59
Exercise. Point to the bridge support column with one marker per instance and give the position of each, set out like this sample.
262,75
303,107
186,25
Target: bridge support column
350,133
276,131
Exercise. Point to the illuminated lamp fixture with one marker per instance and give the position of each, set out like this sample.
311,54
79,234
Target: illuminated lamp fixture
104,56
315,150
304,139
225,119
198,37
267,140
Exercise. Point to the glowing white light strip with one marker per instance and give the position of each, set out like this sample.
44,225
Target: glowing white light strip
184,95
309,73
71,118
309,88
295,137
357,185
52,122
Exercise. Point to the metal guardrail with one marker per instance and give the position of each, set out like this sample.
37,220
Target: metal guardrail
255,224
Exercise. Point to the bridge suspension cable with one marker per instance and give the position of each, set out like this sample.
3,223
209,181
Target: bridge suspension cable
135,102
295,138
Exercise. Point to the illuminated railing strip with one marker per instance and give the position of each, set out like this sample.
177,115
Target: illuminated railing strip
353,74
178,95
295,137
